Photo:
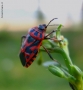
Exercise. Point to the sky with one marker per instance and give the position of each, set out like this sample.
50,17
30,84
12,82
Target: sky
22,11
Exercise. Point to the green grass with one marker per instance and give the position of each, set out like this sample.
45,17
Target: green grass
13,76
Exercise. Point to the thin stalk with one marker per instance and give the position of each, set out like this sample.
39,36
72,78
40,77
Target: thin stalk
66,57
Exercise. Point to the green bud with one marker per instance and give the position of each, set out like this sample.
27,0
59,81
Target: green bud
64,45
59,27
76,71
56,71
58,33
39,59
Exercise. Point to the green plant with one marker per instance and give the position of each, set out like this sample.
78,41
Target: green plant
70,72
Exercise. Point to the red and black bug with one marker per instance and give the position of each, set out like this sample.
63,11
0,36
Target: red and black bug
32,42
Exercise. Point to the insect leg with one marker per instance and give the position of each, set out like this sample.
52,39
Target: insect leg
22,38
54,39
50,33
48,53
46,37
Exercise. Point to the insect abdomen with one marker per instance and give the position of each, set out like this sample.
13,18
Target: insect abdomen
31,60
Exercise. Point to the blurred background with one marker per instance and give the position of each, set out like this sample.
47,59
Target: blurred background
16,17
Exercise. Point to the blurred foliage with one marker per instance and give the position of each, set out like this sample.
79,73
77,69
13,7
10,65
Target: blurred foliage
40,16
13,76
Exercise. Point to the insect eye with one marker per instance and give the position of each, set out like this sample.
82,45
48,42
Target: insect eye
44,25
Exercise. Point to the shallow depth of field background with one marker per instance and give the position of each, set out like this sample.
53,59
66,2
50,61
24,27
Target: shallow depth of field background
13,76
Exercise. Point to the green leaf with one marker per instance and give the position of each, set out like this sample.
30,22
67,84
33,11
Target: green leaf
69,77
76,71
47,45
52,43
45,41
48,63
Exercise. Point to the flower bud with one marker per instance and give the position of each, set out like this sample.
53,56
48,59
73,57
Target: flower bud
39,59
58,33
56,71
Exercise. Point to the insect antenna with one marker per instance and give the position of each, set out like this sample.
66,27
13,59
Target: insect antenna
54,25
50,22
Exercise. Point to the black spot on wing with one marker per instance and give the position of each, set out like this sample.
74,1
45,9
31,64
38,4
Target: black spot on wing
30,39
35,43
36,33
32,30
40,35
27,50
35,51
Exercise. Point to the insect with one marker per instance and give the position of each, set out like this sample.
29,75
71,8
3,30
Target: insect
32,42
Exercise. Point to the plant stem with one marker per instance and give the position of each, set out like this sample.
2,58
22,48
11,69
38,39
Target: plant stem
66,57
